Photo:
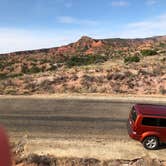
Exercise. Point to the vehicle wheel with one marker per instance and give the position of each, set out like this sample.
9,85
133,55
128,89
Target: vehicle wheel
151,143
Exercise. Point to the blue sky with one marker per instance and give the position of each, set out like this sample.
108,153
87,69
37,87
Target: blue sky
32,24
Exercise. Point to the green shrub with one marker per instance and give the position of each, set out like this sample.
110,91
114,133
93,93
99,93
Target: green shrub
34,69
162,45
45,60
3,76
163,59
130,59
85,60
14,75
24,69
10,91
32,59
148,52
1,66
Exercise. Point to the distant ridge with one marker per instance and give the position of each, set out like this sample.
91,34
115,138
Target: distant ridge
87,45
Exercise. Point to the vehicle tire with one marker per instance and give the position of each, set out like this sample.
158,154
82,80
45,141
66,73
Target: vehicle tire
151,143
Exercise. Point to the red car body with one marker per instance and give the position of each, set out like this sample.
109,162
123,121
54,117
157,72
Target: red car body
148,121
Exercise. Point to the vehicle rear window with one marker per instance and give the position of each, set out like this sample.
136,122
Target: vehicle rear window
133,114
161,122
150,121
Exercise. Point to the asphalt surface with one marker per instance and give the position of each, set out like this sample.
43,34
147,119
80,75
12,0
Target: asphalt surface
74,127
68,118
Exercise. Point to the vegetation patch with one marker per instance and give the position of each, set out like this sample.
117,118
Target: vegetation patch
34,69
131,59
85,60
163,45
148,52
5,76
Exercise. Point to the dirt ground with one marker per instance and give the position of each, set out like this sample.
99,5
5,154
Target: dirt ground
84,153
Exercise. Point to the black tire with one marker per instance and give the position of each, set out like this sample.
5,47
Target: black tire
151,143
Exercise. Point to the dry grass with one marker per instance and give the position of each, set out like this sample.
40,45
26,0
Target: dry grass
35,160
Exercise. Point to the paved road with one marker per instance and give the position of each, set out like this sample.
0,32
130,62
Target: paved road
74,127
70,118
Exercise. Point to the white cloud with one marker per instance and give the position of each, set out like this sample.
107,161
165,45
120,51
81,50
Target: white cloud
72,20
156,23
151,27
18,39
151,2
120,3
66,19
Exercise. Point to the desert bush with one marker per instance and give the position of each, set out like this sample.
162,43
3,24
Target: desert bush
32,59
3,75
163,59
162,90
24,69
1,65
85,60
130,59
162,44
148,52
10,91
34,69
6,76
44,60
14,75
31,70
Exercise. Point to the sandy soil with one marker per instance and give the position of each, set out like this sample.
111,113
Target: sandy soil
94,152
89,148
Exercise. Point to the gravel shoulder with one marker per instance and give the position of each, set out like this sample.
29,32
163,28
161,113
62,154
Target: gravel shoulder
102,149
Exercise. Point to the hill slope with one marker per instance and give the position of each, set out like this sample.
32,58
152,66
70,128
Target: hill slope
114,66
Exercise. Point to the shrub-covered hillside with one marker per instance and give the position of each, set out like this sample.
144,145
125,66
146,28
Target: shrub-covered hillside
112,66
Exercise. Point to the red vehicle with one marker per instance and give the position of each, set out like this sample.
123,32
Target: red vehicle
147,124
